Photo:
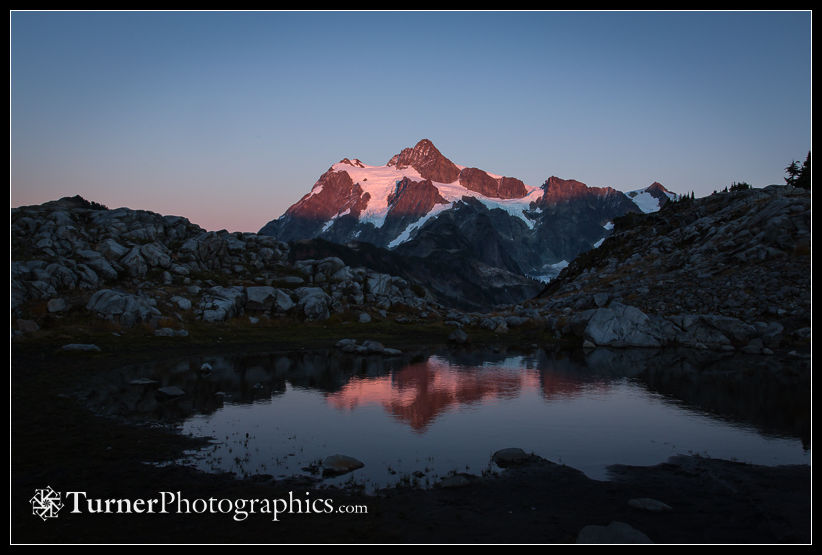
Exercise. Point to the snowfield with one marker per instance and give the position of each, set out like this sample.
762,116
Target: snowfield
381,181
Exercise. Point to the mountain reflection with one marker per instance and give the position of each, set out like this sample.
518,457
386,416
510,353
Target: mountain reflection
770,393
418,393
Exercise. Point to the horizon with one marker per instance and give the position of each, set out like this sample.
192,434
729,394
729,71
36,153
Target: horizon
229,118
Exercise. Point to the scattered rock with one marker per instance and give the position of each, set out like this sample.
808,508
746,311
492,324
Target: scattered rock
143,381
181,302
342,343
170,392
373,347
27,326
169,332
649,504
458,336
88,347
511,456
56,305
336,465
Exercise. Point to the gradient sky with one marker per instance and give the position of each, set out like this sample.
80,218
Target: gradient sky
228,118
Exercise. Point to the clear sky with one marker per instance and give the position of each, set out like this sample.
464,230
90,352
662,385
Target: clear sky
228,118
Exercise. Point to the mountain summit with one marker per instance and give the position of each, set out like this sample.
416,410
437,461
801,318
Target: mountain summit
428,161
421,202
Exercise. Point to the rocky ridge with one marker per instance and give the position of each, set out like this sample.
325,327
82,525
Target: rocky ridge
726,272
133,266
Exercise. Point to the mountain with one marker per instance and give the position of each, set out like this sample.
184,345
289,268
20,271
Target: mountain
651,198
728,271
421,204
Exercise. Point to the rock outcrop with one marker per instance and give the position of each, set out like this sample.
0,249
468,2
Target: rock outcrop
135,267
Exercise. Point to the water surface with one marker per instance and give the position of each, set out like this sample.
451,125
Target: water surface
415,420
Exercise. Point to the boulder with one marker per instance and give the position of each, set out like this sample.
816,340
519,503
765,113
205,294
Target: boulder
99,264
260,297
60,276
181,302
458,336
696,332
649,504
282,301
112,250
373,347
134,263
621,325
511,456
221,303
336,465
379,284
170,392
121,307
56,305
314,302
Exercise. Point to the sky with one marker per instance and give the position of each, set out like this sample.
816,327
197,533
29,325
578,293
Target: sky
228,118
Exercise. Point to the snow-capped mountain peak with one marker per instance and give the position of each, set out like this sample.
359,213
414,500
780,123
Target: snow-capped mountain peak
420,200
652,197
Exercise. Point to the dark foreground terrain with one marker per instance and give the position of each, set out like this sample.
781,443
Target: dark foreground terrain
59,443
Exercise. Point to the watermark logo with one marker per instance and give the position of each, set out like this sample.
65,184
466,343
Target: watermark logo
46,503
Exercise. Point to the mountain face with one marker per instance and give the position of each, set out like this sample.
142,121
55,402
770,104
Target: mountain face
421,204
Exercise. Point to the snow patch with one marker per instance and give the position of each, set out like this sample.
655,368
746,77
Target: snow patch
645,201
330,222
516,207
406,233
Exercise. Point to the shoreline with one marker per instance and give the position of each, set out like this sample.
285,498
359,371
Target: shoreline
62,444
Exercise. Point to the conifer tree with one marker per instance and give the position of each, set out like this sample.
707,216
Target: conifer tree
803,178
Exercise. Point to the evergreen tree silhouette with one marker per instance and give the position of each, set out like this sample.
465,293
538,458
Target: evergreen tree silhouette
803,178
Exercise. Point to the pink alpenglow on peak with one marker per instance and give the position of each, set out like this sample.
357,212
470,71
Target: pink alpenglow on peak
428,161
420,200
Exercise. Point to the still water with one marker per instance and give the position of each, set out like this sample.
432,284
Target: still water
415,419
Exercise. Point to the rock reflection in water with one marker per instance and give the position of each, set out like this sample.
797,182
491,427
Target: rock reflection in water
450,410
